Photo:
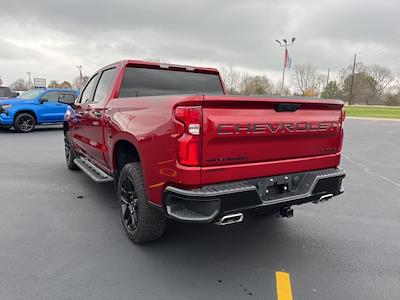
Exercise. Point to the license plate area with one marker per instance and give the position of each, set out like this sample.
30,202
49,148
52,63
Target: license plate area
279,186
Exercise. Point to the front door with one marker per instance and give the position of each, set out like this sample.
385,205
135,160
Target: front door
51,111
80,118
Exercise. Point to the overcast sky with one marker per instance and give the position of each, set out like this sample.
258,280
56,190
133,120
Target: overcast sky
49,38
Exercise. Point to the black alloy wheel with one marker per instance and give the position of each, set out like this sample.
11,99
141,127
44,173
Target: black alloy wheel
128,205
24,123
142,221
70,154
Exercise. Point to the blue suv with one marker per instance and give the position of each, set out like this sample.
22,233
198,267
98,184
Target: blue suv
36,106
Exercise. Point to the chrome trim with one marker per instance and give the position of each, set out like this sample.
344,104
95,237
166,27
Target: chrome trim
226,220
199,193
325,197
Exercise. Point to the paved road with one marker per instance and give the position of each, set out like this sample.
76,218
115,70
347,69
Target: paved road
61,237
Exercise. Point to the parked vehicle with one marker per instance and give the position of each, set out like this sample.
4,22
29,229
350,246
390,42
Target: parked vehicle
5,92
36,106
176,146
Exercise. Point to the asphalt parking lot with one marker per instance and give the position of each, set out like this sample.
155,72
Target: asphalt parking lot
61,237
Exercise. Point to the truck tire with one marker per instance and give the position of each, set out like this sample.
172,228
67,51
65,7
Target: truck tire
142,222
24,122
70,154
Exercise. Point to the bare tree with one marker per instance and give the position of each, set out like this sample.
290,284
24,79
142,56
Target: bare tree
394,87
53,84
19,85
256,85
347,71
307,81
232,79
78,84
370,84
382,78
277,89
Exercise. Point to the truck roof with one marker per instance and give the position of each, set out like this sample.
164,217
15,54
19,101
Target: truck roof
134,62
56,89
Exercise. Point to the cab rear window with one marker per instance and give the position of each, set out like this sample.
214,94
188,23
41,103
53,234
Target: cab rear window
138,82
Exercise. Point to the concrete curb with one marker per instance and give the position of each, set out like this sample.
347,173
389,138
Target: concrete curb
372,119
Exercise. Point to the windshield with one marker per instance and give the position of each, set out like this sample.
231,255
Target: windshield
153,82
30,95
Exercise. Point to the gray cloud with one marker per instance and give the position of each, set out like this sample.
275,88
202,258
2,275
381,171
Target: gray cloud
51,37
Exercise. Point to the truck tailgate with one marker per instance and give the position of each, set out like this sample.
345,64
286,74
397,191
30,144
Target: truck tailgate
241,133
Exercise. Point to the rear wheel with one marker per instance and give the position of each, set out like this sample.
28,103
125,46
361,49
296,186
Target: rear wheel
142,222
70,154
24,122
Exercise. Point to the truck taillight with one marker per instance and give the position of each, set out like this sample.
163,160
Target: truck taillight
342,118
189,144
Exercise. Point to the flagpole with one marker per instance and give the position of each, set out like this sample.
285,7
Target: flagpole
285,59
285,55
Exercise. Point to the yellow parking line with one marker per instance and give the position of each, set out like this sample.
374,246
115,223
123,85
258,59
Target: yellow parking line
283,287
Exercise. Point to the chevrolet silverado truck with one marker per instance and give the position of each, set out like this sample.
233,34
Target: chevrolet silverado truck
176,146
36,106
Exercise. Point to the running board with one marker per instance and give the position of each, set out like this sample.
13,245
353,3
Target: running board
94,172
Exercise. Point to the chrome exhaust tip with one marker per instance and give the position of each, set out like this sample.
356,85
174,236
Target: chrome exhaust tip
230,219
323,198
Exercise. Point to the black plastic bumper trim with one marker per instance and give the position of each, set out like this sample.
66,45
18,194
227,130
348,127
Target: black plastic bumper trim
243,196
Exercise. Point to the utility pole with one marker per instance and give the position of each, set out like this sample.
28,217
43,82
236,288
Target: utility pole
352,80
284,44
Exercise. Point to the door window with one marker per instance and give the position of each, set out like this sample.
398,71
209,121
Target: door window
103,85
51,97
69,98
87,92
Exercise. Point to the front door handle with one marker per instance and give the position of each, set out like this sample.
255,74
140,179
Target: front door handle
97,114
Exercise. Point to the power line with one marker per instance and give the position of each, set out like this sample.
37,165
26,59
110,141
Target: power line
372,51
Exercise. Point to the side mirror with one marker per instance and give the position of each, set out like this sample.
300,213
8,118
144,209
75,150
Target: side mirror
66,99
14,94
43,100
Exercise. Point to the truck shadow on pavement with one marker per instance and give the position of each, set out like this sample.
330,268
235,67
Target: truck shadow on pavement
198,245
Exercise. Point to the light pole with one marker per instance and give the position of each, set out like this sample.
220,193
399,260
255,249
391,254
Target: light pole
80,76
285,44
30,81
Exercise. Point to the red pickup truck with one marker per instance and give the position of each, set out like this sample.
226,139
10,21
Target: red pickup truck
176,146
